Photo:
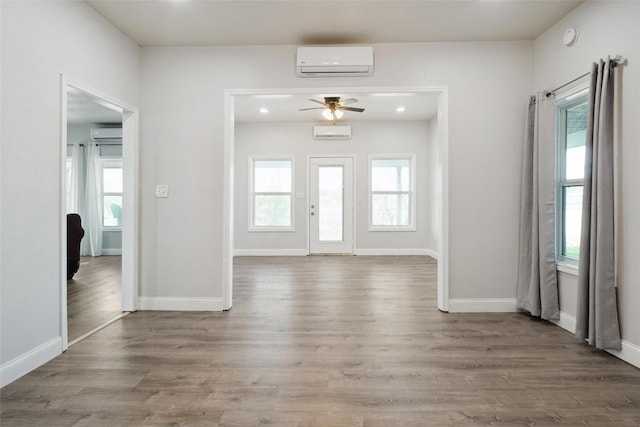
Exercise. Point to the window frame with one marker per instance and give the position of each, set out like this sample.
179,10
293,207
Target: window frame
252,195
103,160
412,192
576,96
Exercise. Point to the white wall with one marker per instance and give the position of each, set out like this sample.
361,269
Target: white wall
433,184
368,138
183,106
606,28
41,40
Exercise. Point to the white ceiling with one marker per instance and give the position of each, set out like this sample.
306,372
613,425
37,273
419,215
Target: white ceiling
306,22
378,107
84,108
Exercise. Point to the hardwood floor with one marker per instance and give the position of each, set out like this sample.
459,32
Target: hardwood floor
94,295
328,341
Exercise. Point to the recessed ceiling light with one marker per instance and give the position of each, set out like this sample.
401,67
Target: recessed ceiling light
401,109
263,110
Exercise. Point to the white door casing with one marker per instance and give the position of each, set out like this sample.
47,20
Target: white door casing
130,224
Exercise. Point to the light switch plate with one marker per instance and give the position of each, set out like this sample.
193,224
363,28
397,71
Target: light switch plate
162,191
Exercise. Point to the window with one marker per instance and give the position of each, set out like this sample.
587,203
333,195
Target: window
111,195
271,204
572,128
392,192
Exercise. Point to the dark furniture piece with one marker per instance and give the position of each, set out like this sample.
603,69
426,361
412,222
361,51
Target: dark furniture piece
75,233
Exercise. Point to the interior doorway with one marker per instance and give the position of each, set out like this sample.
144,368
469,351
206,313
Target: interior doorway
99,186
331,205
441,189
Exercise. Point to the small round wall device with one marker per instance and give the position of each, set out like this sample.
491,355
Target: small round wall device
570,36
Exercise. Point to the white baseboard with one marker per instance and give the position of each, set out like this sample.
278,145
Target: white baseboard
22,365
630,353
482,305
363,252
270,252
180,304
112,251
566,322
427,252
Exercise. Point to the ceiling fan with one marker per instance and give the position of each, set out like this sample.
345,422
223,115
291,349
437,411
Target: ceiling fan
333,108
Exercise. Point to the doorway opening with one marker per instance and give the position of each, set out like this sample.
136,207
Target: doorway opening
235,106
99,211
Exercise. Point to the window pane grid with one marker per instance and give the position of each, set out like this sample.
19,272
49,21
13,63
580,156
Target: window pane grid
271,195
571,220
111,195
272,211
572,124
391,192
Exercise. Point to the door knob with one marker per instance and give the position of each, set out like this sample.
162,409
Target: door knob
312,213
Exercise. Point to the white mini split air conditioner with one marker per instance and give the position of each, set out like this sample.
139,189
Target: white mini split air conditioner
334,61
107,134
332,132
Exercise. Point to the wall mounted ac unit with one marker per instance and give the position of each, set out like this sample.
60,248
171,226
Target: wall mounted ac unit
106,134
334,61
332,132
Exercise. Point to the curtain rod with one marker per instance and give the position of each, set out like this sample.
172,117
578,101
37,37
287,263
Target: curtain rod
616,60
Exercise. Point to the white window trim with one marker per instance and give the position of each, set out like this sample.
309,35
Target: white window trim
262,228
412,192
569,98
102,161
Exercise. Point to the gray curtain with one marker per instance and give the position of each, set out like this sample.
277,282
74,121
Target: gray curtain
537,288
597,311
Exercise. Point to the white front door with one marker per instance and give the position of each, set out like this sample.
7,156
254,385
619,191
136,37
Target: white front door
331,205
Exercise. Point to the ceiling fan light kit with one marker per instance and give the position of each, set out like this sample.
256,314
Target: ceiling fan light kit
332,108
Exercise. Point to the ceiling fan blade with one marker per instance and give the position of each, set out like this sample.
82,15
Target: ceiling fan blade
348,101
315,100
357,110
313,108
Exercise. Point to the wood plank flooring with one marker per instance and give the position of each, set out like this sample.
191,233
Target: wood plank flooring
94,295
328,341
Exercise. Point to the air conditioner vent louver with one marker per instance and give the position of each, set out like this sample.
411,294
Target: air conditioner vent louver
334,61
106,134
332,132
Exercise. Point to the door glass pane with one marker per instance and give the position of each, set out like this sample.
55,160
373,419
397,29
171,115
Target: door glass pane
576,133
111,211
272,176
572,221
272,210
330,203
390,209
